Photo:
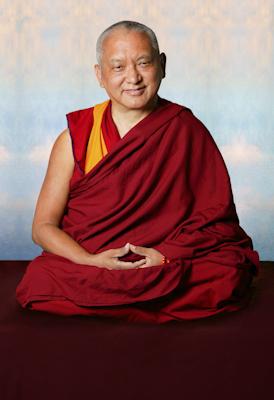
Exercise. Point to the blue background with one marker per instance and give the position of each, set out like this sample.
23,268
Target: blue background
219,63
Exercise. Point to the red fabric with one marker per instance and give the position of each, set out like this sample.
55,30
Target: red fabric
80,124
163,185
110,131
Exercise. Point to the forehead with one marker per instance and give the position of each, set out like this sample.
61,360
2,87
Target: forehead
122,42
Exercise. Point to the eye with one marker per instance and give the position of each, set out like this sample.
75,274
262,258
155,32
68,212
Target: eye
117,67
144,63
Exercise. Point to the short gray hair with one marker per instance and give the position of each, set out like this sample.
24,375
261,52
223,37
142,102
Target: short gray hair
130,25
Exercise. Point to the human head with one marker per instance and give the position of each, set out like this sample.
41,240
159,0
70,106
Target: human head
128,58
129,25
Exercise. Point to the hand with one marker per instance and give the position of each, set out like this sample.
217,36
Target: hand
109,259
152,256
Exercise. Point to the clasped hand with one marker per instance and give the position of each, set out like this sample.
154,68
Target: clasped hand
110,258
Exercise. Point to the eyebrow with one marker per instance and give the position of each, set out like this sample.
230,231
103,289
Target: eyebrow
112,60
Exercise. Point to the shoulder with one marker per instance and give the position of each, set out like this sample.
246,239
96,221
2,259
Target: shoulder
79,115
62,144
192,129
63,138
184,116
187,119
73,117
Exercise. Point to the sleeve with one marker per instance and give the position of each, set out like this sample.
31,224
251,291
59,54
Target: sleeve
211,227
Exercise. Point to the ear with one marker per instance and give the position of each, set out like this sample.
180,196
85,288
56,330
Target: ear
98,73
163,64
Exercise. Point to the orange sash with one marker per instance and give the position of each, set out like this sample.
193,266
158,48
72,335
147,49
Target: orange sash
96,148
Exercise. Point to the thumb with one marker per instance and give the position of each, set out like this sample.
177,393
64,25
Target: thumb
138,250
124,250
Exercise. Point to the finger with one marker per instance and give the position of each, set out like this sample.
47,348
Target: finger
138,250
139,262
122,250
145,265
123,263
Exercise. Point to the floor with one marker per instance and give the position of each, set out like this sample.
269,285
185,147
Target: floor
44,356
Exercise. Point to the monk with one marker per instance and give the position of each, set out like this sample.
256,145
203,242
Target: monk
136,216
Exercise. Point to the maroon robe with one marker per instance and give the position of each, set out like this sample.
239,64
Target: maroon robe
163,185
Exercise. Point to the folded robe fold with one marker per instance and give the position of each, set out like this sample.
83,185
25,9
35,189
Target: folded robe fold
163,185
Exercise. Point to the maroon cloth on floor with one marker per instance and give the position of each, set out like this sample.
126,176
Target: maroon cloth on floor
163,185
46,356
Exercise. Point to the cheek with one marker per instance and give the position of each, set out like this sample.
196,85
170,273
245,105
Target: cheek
116,81
112,79
153,76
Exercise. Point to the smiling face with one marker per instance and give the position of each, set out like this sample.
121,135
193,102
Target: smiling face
131,70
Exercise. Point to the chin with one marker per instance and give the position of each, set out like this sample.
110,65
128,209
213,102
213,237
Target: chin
136,102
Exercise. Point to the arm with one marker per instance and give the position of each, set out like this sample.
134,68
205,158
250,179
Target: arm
51,204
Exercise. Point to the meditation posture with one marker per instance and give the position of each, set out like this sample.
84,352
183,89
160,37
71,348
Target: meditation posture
136,216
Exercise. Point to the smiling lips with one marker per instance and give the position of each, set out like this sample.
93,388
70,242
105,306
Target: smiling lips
135,92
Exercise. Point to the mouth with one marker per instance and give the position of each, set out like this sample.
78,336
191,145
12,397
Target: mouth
135,92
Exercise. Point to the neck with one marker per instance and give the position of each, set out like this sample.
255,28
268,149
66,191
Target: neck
125,119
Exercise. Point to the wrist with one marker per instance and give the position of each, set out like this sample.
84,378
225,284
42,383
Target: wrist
165,260
86,258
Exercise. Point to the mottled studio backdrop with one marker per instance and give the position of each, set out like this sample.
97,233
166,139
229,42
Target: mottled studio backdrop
219,63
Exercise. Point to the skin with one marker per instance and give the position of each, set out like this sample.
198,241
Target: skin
132,84
131,72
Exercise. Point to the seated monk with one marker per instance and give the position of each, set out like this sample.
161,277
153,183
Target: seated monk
136,216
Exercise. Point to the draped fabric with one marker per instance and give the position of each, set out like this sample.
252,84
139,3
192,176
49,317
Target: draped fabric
103,136
107,135
96,149
163,185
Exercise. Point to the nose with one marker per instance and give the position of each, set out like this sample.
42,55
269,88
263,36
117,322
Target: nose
133,75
